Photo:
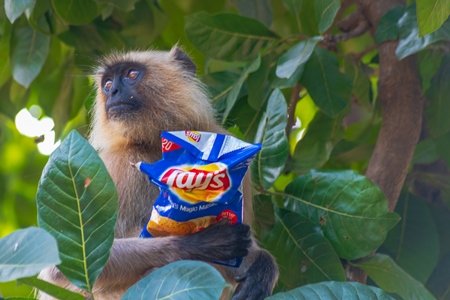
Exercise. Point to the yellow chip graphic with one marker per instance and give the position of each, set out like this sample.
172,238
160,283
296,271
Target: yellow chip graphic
159,226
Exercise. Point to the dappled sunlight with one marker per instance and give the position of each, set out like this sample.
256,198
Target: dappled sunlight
28,124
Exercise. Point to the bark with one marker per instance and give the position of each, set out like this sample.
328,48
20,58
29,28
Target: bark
401,100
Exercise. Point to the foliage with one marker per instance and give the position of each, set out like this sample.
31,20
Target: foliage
275,77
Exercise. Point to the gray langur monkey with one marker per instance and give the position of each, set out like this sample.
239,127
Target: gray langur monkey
139,95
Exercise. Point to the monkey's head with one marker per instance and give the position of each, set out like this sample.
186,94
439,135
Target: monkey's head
141,94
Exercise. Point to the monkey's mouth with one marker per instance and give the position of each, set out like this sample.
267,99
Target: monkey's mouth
116,108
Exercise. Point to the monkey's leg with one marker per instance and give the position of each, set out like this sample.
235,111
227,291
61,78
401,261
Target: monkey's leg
257,275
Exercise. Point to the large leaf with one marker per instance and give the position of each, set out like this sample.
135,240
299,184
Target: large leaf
29,51
439,109
439,282
391,278
234,92
15,8
258,86
255,9
314,149
326,10
387,29
77,204
5,45
333,291
227,36
362,87
302,253
271,133
425,152
26,252
294,8
51,289
431,14
179,281
123,5
330,89
295,56
410,42
429,63
219,85
76,12
414,242
351,210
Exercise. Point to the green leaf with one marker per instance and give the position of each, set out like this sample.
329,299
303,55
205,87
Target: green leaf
338,202
227,36
296,56
410,42
77,204
314,149
282,83
82,88
258,87
429,63
414,241
246,118
15,8
76,12
5,44
425,152
123,5
391,278
264,213
255,9
179,281
25,252
294,8
326,11
270,161
234,92
431,14
439,282
302,253
51,289
333,291
219,85
29,51
63,102
330,89
387,29
362,87
439,109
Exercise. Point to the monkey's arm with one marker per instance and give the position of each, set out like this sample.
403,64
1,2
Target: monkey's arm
131,258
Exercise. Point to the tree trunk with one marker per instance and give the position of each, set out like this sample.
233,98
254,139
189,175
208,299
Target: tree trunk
400,95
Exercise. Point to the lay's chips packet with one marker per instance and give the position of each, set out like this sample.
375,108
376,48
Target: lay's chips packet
200,181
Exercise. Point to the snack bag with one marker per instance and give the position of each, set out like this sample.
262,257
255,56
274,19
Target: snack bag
199,178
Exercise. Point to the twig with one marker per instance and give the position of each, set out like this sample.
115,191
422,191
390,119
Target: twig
291,109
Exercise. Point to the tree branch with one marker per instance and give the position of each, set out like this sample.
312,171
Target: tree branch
291,109
400,96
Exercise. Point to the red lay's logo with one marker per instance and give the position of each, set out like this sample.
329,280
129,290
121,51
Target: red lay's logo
193,136
202,183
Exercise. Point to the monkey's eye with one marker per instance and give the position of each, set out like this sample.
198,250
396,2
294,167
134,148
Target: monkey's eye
133,74
108,84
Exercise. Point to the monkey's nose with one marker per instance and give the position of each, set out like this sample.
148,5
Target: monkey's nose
114,91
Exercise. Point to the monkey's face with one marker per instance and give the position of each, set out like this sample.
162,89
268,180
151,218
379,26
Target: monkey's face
118,85
141,94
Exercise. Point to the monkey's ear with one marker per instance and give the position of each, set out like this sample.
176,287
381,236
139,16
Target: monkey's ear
184,60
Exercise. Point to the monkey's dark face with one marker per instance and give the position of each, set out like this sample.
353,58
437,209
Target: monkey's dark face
119,84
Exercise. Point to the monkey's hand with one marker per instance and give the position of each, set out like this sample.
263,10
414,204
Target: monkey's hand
218,242
257,283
